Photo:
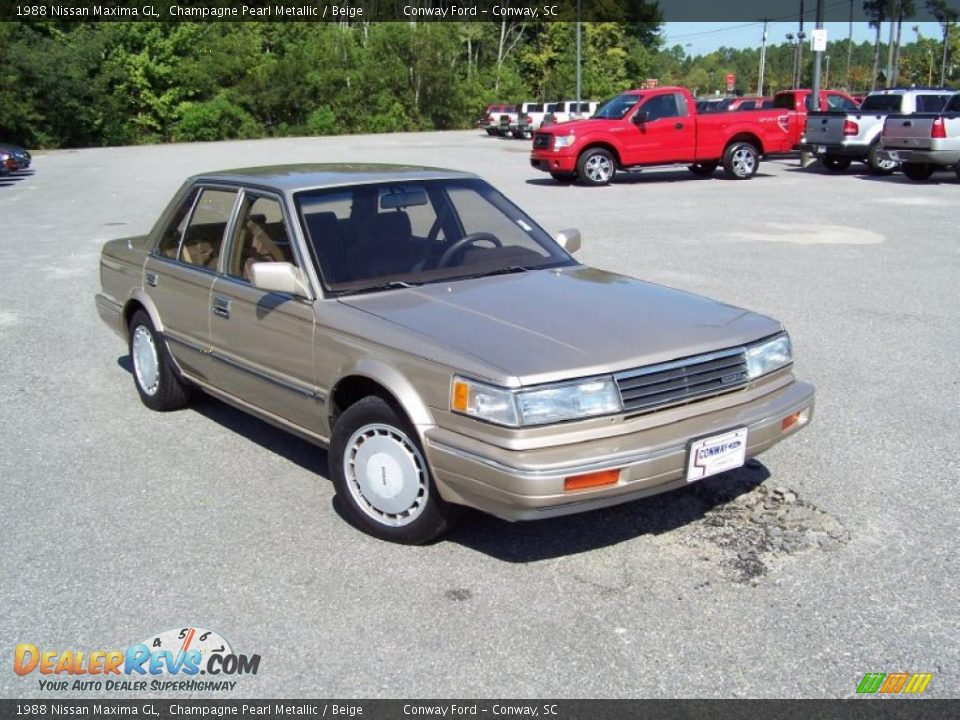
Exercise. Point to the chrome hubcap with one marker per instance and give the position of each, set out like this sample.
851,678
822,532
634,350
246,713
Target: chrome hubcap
146,365
744,161
886,164
599,168
386,475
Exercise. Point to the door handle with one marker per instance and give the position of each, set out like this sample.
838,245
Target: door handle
678,126
151,279
221,306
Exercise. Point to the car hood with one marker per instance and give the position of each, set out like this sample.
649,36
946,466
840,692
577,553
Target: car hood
547,325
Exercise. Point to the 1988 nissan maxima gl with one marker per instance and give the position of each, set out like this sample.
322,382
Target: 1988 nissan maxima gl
443,347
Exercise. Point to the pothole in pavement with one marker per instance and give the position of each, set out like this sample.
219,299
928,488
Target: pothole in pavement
747,534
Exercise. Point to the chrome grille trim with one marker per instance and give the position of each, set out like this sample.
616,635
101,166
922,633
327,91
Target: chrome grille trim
682,381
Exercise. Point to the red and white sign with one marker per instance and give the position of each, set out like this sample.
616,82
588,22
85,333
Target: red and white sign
731,81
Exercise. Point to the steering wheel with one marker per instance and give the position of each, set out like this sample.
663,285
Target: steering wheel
468,239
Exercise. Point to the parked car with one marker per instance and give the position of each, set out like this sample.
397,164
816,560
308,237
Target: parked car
20,156
924,142
799,102
7,163
838,139
491,117
569,110
387,313
529,119
658,127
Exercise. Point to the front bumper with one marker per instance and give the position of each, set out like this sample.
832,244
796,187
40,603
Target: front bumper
530,485
943,158
552,161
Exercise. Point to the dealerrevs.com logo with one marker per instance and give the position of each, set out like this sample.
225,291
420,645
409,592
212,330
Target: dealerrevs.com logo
169,661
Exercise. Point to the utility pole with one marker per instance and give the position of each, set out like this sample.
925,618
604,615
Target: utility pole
579,49
943,64
800,36
805,158
849,48
763,59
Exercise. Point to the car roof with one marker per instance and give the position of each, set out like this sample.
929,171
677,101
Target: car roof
290,178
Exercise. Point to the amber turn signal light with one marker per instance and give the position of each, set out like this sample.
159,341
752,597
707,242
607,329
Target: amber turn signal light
461,396
800,417
591,480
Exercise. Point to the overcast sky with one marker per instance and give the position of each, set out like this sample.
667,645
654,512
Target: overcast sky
699,38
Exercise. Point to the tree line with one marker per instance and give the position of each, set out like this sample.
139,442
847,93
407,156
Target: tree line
88,84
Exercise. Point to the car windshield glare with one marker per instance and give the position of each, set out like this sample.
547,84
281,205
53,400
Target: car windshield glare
399,234
618,107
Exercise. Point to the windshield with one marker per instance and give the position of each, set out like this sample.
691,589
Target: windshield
398,234
618,107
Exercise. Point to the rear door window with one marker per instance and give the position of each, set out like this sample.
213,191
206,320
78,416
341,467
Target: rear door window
953,105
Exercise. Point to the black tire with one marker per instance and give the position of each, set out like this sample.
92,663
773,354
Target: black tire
740,161
704,169
917,171
490,131
956,169
160,388
563,178
398,453
878,166
596,166
835,163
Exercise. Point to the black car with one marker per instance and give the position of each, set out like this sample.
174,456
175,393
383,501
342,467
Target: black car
20,156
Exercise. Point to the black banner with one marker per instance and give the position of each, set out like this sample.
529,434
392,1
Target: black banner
855,709
439,10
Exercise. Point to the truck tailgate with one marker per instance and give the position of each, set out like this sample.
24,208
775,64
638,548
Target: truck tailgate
908,131
825,128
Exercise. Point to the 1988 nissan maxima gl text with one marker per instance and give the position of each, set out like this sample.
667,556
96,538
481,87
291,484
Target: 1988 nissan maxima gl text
443,347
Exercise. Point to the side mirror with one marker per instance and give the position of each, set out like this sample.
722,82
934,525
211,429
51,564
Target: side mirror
569,240
282,277
640,117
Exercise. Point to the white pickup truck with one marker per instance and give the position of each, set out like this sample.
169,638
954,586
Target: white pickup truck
530,118
924,143
567,110
839,138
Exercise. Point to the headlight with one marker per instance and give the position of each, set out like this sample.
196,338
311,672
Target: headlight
537,406
562,141
769,356
484,401
568,402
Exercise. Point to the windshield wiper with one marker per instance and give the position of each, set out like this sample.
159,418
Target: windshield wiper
392,285
500,271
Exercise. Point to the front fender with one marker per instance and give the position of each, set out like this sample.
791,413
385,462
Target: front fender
397,384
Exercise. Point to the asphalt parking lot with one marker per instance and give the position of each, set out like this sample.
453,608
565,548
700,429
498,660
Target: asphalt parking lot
835,557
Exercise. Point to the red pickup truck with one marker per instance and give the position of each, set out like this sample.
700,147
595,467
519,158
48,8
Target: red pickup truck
662,127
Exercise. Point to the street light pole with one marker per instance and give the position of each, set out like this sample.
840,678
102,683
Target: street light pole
579,26
763,59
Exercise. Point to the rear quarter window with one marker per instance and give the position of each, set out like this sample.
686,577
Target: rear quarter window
882,103
953,105
786,101
931,103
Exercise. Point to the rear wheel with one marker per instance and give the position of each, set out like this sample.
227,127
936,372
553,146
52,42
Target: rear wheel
563,178
835,163
491,131
917,171
382,477
596,167
877,165
156,379
740,161
703,169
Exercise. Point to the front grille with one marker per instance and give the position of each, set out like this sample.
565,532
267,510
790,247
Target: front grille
541,141
682,381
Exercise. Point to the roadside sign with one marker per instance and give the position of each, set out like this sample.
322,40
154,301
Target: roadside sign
818,40
731,82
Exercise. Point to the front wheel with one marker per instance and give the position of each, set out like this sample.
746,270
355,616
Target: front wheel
596,167
834,163
703,169
157,382
382,478
740,161
879,166
917,171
